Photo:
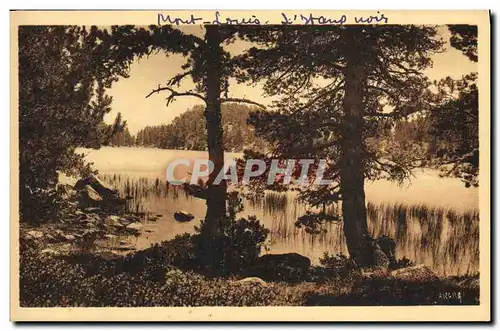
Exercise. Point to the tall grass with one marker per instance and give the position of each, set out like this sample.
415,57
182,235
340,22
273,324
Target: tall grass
442,238
139,191
422,231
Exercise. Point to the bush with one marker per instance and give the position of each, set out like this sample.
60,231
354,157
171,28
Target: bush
236,246
337,263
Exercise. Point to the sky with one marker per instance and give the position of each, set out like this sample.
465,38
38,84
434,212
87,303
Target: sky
129,94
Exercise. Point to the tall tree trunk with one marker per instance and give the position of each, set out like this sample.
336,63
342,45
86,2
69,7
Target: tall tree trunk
216,201
351,163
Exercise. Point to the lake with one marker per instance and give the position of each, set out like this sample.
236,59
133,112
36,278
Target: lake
434,220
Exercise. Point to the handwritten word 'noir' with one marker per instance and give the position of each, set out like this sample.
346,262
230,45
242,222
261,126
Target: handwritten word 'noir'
372,19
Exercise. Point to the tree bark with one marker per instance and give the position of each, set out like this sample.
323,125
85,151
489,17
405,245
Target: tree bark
352,165
216,194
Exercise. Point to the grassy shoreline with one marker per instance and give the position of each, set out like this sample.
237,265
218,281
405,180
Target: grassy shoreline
154,277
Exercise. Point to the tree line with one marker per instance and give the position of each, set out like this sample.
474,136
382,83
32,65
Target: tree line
188,131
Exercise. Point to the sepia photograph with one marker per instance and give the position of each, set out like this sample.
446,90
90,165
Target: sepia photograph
250,159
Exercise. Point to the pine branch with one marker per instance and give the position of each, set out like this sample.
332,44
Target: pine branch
176,80
326,91
174,94
297,151
240,100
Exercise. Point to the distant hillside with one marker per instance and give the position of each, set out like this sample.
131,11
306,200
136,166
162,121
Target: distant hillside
188,131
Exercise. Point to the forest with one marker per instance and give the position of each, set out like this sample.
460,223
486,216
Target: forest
355,95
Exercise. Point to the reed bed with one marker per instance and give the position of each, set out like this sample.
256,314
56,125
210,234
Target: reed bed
139,191
443,238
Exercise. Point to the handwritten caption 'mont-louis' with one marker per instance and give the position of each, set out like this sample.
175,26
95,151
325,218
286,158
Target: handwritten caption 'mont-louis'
285,18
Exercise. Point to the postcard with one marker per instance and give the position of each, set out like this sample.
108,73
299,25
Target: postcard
250,166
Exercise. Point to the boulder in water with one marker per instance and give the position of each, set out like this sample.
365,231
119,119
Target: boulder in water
101,188
134,227
182,216
89,196
114,222
95,193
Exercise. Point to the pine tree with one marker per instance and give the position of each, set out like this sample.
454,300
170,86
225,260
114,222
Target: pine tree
210,68
64,72
340,86
455,120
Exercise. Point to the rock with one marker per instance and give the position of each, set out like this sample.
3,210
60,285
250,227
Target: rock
90,225
34,234
376,273
51,238
95,193
69,237
126,248
132,218
92,221
67,191
281,267
134,227
109,236
57,250
419,273
60,236
470,283
50,251
123,243
252,280
114,222
125,221
96,184
182,216
90,197
94,216
388,246
86,243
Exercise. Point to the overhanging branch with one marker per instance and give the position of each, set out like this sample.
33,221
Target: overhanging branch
174,93
240,100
